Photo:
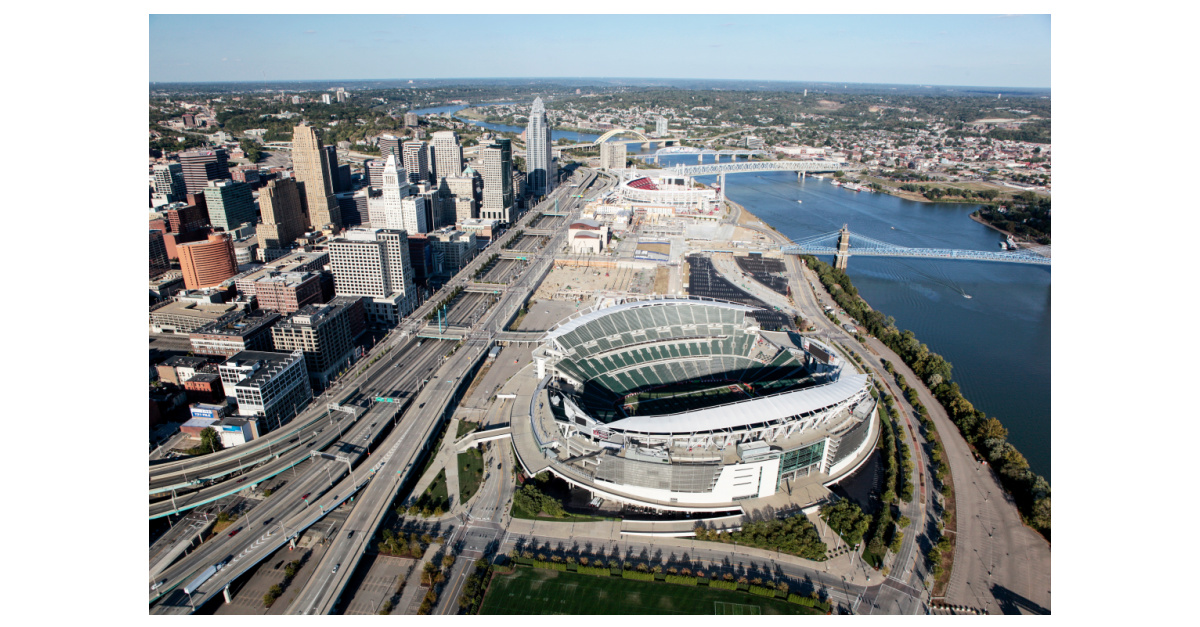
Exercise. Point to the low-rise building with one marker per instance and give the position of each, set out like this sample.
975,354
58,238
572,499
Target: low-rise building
287,292
457,248
180,368
232,334
184,317
270,388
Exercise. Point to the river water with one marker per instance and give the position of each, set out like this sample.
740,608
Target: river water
998,339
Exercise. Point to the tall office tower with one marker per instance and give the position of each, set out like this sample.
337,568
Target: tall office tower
497,181
431,159
398,208
282,214
447,151
389,145
432,209
374,171
168,179
354,207
207,263
332,159
660,126
375,263
159,263
341,94
539,162
230,204
311,165
612,156
410,119
202,166
326,99
416,161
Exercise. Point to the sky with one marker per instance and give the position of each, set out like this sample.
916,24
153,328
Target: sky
968,50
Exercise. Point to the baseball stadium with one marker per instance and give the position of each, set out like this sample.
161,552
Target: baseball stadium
687,405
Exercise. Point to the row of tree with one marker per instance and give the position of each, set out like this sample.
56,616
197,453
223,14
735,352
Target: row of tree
276,591
1030,491
794,535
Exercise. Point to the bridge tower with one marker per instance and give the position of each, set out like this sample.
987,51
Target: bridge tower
722,184
843,253
699,158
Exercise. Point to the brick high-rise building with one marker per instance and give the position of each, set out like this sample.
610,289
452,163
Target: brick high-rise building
158,254
207,263
286,292
202,166
324,333
313,171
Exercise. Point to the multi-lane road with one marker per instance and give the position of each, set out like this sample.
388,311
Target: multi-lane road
415,367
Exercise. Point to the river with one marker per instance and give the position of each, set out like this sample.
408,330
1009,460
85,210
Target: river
998,339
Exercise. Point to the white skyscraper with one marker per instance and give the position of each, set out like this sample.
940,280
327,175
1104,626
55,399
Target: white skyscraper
385,211
375,263
448,155
539,162
612,156
660,126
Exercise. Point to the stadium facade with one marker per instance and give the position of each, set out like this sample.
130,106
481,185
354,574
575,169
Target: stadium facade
685,404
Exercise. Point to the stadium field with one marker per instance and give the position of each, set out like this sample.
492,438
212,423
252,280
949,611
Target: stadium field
539,591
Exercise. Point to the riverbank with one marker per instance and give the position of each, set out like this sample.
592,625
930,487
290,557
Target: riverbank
1021,242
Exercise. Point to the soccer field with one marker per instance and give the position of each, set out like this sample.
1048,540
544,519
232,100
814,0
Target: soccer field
539,591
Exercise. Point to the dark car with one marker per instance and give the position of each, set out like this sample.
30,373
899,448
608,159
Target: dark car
234,532
306,495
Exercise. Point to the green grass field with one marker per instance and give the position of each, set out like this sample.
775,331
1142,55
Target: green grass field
538,591
470,474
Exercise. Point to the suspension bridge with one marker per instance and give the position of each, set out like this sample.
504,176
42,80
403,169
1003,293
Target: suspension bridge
844,243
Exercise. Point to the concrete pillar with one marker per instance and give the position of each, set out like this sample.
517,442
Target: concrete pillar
843,253
699,158
722,179
225,591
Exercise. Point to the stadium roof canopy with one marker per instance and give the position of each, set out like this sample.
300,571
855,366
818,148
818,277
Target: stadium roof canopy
748,412
575,323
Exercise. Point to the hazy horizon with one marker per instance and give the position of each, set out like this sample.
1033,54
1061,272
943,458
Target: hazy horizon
943,50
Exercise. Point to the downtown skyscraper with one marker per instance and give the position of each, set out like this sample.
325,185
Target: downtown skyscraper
314,172
539,161
448,154
497,181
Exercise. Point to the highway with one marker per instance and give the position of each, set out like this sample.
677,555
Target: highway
316,429
317,477
321,594
284,513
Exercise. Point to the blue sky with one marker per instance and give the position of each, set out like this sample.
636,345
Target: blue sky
978,50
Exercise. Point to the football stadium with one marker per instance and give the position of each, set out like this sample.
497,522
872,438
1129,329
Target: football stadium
686,404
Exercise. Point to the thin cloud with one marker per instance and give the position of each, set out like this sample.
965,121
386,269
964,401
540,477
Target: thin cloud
310,32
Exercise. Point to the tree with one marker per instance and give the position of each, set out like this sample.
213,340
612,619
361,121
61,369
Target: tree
992,429
210,440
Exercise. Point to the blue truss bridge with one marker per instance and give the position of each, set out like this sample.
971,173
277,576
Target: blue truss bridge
843,244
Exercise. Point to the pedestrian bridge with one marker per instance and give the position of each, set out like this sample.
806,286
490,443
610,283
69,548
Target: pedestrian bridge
844,244
816,165
519,337
475,438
